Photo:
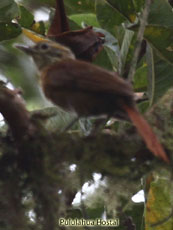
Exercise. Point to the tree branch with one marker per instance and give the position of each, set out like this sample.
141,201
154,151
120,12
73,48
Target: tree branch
13,109
143,23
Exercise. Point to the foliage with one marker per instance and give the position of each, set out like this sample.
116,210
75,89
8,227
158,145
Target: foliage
26,180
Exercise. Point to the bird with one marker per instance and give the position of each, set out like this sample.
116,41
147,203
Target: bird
88,90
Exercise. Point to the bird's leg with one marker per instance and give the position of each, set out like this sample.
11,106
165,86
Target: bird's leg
85,125
99,124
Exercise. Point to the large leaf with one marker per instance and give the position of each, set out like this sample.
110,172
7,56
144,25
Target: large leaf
140,78
127,49
160,75
127,52
108,16
89,19
73,25
26,18
103,60
8,10
138,5
158,211
160,13
82,6
9,31
125,8
161,38
112,48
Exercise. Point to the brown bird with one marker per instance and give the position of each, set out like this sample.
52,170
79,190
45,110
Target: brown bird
88,90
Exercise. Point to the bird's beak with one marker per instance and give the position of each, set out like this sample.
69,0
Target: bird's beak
26,49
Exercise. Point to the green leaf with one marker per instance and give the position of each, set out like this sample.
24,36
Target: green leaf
39,27
140,79
111,47
89,19
82,6
158,210
138,5
161,39
95,212
127,48
125,8
8,10
73,25
102,60
127,52
160,13
74,213
108,17
26,19
143,106
9,31
160,75
113,57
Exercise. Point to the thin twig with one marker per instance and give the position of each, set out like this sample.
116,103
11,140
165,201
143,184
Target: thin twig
143,23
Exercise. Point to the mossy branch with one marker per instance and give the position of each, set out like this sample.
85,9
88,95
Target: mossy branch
39,163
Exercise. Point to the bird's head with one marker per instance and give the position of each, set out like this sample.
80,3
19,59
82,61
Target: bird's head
46,53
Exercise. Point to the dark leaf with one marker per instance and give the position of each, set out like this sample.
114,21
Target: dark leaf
108,17
8,10
125,8
103,60
159,75
26,18
85,43
9,31
160,13
82,6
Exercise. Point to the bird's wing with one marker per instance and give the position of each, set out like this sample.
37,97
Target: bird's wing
79,75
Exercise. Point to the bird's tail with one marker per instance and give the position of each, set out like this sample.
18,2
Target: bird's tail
146,132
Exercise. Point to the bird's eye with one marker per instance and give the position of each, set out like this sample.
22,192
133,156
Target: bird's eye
44,46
